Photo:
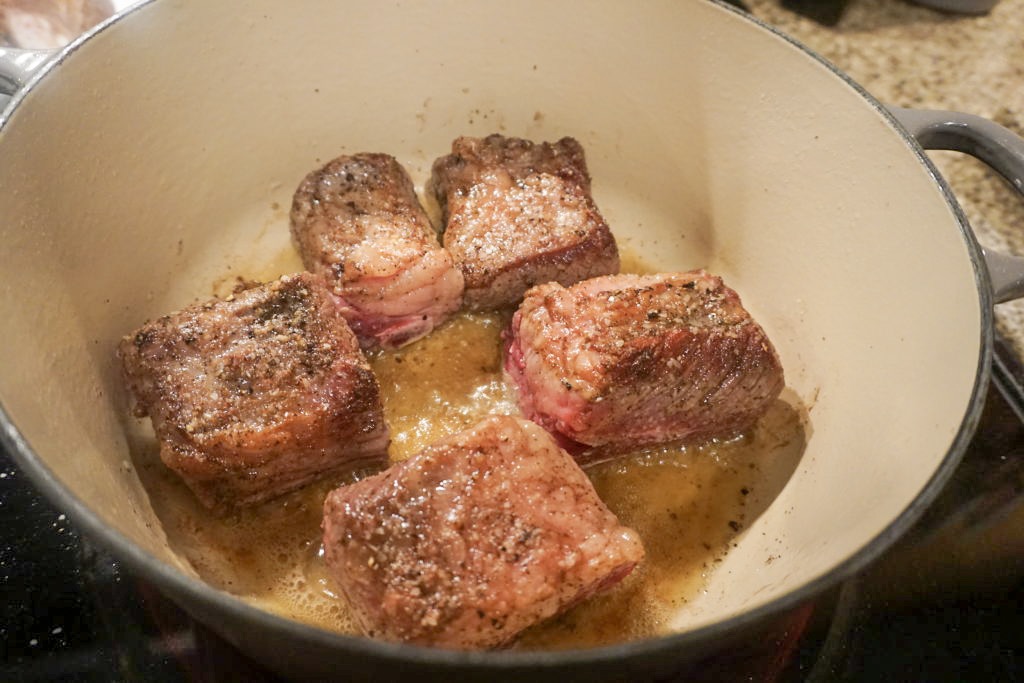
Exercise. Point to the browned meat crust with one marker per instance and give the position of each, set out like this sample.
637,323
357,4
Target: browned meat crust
257,395
474,539
357,222
621,361
519,214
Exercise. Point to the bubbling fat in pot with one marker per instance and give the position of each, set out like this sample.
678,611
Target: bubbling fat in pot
688,503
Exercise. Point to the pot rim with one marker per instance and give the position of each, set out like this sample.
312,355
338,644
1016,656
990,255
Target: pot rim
177,583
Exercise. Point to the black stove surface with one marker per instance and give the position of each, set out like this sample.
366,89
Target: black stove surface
945,604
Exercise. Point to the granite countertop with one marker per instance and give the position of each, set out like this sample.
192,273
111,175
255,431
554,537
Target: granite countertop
909,55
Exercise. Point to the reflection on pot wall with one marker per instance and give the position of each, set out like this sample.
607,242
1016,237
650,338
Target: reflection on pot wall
48,24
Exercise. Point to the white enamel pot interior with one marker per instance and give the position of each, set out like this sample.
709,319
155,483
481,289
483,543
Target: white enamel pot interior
164,149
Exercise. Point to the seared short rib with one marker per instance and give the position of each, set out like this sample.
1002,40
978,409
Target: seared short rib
474,539
618,362
257,395
518,214
357,221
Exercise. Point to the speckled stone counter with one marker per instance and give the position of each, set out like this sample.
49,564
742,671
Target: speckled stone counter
909,55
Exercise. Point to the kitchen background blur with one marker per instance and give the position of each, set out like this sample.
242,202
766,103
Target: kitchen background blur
947,604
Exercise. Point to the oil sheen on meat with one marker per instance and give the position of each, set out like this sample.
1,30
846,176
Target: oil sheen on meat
687,503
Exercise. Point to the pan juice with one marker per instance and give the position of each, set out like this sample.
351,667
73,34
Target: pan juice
688,503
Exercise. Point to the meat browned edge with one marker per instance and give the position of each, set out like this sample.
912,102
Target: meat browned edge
474,539
256,395
617,362
518,214
357,221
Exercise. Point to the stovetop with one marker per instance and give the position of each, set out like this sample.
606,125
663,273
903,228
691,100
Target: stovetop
945,604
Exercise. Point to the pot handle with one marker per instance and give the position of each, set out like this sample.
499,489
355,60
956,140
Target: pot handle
17,66
987,141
